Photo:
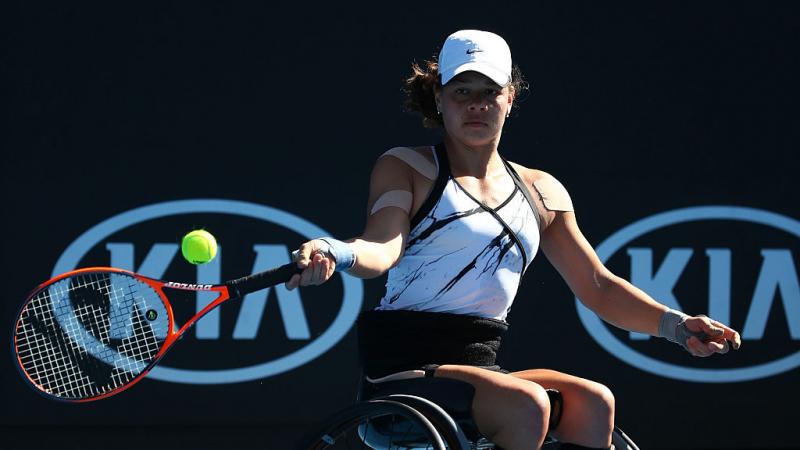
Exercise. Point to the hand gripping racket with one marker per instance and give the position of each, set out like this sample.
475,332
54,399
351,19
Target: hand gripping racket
91,333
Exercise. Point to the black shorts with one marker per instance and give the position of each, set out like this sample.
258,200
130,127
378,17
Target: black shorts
396,341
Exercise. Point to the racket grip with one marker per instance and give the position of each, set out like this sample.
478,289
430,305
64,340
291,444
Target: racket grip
242,286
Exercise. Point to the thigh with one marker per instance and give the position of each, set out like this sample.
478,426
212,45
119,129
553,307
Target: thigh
502,400
588,405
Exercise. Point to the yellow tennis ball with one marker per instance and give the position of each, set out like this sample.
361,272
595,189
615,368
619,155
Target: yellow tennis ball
199,247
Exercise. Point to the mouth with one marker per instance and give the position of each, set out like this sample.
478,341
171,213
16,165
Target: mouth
475,124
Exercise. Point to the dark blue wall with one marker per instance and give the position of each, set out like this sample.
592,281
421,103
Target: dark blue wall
638,108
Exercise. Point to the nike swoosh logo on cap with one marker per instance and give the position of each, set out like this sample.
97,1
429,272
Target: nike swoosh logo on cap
473,50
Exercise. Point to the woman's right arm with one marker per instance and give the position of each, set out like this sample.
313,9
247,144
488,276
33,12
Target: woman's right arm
380,245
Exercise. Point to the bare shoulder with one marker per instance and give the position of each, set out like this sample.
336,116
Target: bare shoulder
391,166
398,167
426,151
550,195
529,175
551,192
420,159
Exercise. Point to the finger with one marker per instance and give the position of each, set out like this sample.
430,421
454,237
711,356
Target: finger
293,282
703,324
329,265
696,324
317,266
714,346
736,340
729,334
691,345
720,347
733,336
697,348
712,328
320,247
305,276
324,265
304,255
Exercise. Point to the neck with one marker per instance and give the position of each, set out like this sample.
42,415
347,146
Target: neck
476,161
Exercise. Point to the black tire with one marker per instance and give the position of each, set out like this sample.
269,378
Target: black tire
621,440
348,428
448,429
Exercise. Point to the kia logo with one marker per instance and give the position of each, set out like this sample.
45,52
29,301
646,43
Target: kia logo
774,287
291,311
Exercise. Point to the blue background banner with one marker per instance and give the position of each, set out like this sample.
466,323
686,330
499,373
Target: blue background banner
674,126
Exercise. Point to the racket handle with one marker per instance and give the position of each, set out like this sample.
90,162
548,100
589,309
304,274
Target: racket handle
240,287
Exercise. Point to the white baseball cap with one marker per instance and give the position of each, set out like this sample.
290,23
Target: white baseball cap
479,51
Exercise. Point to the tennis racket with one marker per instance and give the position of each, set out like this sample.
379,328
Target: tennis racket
91,333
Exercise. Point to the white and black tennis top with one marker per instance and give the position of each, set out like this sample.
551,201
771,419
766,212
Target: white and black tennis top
462,256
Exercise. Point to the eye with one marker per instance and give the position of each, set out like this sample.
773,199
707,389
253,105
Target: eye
461,91
492,92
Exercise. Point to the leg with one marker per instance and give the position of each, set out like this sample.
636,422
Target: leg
510,411
588,417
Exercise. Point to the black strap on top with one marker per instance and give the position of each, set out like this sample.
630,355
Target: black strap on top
441,153
438,187
525,192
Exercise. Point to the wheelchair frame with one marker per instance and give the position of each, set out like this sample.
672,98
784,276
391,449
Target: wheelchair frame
435,412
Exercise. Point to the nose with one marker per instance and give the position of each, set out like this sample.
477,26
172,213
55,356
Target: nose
478,104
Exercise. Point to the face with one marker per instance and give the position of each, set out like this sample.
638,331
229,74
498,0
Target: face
474,108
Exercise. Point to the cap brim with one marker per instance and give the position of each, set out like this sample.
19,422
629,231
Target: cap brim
498,76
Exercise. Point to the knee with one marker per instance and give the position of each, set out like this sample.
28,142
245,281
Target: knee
602,402
534,405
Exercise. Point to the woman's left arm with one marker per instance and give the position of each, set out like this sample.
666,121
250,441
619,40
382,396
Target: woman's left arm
619,302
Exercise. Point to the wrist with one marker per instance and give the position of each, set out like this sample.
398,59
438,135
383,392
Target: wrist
668,325
341,252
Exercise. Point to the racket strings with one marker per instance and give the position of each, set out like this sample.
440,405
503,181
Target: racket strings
87,335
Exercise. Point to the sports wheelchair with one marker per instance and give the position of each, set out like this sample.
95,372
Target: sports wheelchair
419,414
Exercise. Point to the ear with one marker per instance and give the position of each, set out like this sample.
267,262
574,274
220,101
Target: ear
510,97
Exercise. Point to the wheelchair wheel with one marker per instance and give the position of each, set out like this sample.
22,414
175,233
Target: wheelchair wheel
448,429
621,440
378,424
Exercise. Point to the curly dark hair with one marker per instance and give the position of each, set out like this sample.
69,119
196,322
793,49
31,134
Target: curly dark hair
420,86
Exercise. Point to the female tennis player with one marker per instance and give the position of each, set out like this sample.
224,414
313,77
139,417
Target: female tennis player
456,226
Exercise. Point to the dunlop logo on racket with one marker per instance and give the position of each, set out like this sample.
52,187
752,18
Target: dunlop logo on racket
189,286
